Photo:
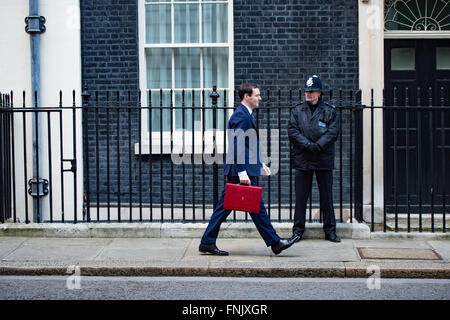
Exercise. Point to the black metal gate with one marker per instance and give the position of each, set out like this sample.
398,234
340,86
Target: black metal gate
39,180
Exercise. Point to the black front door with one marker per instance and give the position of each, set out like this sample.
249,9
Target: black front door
417,141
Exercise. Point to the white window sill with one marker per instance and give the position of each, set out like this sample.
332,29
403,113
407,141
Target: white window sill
176,146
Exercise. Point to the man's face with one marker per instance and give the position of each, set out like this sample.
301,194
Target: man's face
312,96
253,100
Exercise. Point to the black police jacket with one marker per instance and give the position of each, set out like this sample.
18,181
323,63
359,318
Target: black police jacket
321,127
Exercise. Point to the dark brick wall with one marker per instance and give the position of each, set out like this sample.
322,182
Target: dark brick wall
109,44
110,63
278,44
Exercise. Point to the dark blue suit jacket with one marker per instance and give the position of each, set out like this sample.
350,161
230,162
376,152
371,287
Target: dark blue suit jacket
243,152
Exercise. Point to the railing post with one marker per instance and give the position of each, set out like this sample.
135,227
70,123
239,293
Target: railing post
5,158
358,117
215,96
85,95
2,173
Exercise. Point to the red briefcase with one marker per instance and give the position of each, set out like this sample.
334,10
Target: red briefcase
242,198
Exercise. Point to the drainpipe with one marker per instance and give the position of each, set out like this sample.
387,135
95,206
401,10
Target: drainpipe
34,27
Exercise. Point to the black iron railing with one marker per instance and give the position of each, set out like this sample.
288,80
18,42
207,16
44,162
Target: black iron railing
6,160
151,157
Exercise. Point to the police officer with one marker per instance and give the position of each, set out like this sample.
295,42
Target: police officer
313,130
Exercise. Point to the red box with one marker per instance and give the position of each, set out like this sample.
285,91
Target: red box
242,198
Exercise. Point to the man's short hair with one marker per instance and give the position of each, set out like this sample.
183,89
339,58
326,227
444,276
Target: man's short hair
246,88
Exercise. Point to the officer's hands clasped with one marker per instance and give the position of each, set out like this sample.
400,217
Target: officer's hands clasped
313,147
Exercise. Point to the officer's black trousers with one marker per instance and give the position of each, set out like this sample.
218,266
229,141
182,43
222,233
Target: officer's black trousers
303,181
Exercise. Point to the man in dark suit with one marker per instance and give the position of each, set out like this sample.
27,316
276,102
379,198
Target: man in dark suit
243,165
313,130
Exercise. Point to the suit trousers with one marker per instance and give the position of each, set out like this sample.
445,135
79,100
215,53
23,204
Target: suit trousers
303,182
261,219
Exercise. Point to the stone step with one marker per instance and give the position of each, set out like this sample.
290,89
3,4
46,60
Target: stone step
414,224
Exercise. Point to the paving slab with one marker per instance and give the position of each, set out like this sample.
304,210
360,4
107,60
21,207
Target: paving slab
144,249
320,250
57,249
442,247
9,244
244,250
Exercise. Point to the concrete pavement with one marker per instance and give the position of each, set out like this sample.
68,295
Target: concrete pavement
114,251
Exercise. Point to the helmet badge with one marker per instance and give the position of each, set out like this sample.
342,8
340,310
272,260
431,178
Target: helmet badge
309,83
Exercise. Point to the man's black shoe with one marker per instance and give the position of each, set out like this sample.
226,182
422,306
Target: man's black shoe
298,237
283,244
211,248
332,237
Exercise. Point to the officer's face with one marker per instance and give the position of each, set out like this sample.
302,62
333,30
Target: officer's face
253,100
312,96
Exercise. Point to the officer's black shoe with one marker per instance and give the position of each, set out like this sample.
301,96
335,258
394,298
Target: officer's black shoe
283,244
211,248
332,237
298,237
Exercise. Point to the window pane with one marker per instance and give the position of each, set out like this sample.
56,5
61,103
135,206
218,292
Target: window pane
403,59
159,70
215,67
186,23
157,24
215,23
187,67
443,58
159,102
189,101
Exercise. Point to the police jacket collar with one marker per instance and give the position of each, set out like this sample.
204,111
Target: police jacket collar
319,108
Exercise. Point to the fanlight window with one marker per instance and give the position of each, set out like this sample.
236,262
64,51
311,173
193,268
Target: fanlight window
417,15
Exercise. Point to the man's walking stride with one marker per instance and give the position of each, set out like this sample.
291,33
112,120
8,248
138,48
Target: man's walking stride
243,165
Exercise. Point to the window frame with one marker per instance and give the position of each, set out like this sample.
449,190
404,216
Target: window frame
162,146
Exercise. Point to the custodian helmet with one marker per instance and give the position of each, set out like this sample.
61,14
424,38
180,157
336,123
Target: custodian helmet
313,84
